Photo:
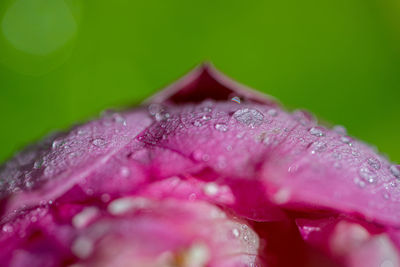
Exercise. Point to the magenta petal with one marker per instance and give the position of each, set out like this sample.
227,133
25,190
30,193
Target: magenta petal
301,164
43,173
195,169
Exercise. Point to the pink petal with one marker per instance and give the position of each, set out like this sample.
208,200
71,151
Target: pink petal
46,171
301,165
132,230
349,242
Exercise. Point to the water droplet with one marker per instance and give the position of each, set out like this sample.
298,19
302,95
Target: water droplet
206,117
38,164
339,129
395,170
57,143
240,135
374,163
197,123
154,109
236,99
7,228
82,132
118,118
158,112
99,142
317,131
235,232
359,182
222,127
249,117
346,140
207,109
303,116
318,147
162,116
210,189
367,174
272,112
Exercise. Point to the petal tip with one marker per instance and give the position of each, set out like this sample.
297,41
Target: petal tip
206,82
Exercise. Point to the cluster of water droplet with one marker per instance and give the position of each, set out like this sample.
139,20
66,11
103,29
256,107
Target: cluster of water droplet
158,111
249,117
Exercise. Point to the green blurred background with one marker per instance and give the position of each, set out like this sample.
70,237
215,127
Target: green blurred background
63,61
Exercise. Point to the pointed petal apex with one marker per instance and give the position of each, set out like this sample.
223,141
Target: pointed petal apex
206,82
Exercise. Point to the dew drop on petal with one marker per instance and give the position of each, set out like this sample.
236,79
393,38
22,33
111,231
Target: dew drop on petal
346,140
303,117
340,129
207,109
272,112
57,143
38,164
154,109
374,163
206,118
7,228
395,170
236,99
118,118
367,174
222,127
316,131
359,182
318,147
197,123
99,142
249,117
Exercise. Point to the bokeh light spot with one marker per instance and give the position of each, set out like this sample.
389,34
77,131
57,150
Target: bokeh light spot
38,27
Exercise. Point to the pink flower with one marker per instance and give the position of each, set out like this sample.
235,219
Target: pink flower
205,173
